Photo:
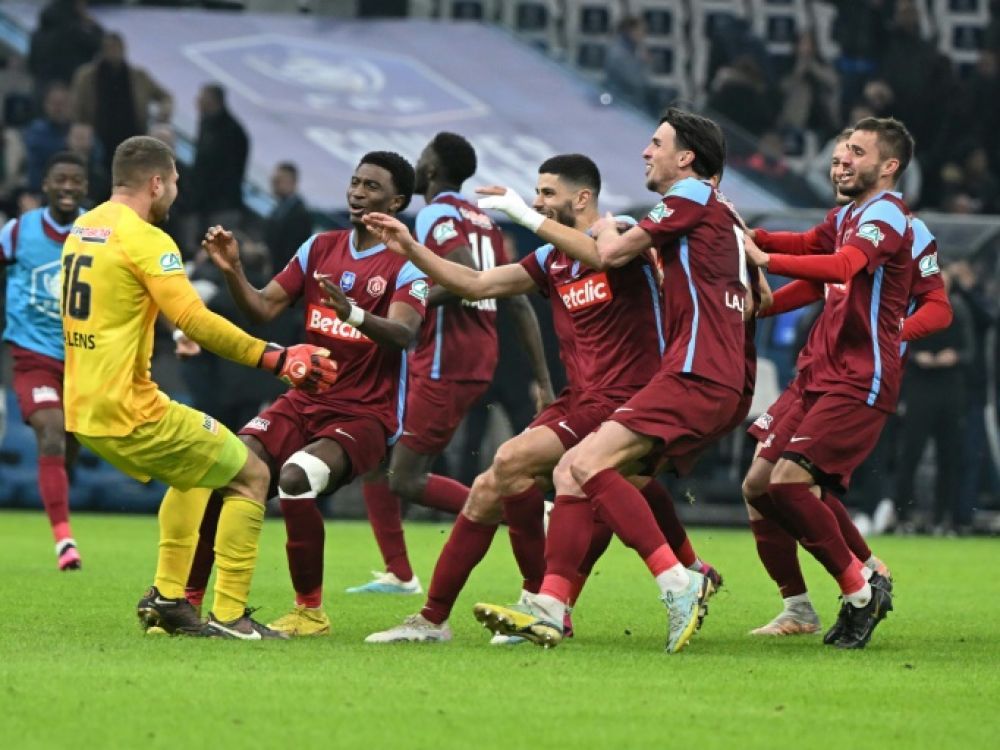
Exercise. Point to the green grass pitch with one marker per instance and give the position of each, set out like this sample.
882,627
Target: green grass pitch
75,671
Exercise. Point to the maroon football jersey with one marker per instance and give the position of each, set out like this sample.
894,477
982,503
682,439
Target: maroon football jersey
705,282
458,340
609,323
371,379
856,349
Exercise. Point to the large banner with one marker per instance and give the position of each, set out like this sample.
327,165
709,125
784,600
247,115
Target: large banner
321,92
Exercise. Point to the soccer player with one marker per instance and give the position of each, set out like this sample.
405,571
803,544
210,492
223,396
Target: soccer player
855,369
365,305
610,328
695,396
451,368
931,311
119,272
31,247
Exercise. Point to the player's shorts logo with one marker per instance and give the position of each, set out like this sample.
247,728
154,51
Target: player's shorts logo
324,321
593,290
376,286
210,424
347,280
258,424
764,421
44,394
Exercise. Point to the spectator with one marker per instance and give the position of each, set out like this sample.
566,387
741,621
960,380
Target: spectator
811,91
13,160
934,398
289,224
46,135
66,38
740,93
627,65
769,158
860,29
980,184
220,160
81,142
115,98
983,93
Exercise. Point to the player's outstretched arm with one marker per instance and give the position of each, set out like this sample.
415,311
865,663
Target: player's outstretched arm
838,268
397,331
530,336
792,296
468,283
932,314
260,305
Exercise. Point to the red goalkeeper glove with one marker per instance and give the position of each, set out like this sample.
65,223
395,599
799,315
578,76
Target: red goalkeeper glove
301,366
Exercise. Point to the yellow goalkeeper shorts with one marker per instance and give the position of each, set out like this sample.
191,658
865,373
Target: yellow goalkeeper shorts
184,449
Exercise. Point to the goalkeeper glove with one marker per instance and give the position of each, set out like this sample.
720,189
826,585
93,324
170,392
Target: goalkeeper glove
302,366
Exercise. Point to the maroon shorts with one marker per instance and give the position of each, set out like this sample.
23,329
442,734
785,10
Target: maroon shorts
38,381
434,409
773,428
834,437
686,413
282,430
575,415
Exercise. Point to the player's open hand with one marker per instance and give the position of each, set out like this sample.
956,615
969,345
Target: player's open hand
606,223
335,296
499,198
391,231
302,366
222,248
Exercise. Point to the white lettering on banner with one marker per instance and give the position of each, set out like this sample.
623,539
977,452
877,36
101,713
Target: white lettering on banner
503,159
324,321
593,290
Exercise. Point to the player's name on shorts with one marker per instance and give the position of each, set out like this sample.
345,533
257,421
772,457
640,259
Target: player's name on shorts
593,290
79,340
324,321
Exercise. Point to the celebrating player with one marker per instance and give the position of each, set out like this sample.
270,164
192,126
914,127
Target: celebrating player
931,312
365,305
855,370
452,366
119,271
695,396
31,247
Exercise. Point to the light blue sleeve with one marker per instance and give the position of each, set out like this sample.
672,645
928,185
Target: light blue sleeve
7,240
303,252
408,274
887,213
542,254
429,215
624,219
692,189
922,237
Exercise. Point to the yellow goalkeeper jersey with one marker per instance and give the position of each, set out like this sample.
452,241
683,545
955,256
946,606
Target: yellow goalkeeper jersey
115,268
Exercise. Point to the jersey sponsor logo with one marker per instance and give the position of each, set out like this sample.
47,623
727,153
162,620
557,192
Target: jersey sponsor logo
871,233
421,290
593,290
478,219
929,265
347,280
170,262
210,424
44,394
258,423
324,321
444,231
660,212
376,286
764,421
91,234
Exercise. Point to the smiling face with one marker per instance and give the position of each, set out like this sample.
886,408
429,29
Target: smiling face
371,190
65,186
865,169
555,199
665,162
839,172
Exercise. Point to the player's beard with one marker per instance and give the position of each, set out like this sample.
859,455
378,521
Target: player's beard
564,214
159,212
863,182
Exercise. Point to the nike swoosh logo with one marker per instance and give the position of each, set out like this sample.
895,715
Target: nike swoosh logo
164,602
799,439
624,408
253,635
345,434
566,427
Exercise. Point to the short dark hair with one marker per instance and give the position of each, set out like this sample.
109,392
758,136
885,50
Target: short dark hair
702,136
290,167
575,168
894,140
400,169
843,135
456,155
64,157
138,158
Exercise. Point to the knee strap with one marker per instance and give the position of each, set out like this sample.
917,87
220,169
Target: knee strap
316,471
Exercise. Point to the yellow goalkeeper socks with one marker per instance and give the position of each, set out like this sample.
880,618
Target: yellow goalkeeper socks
180,516
236,555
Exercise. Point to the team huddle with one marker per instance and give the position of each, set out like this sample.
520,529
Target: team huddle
655,322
